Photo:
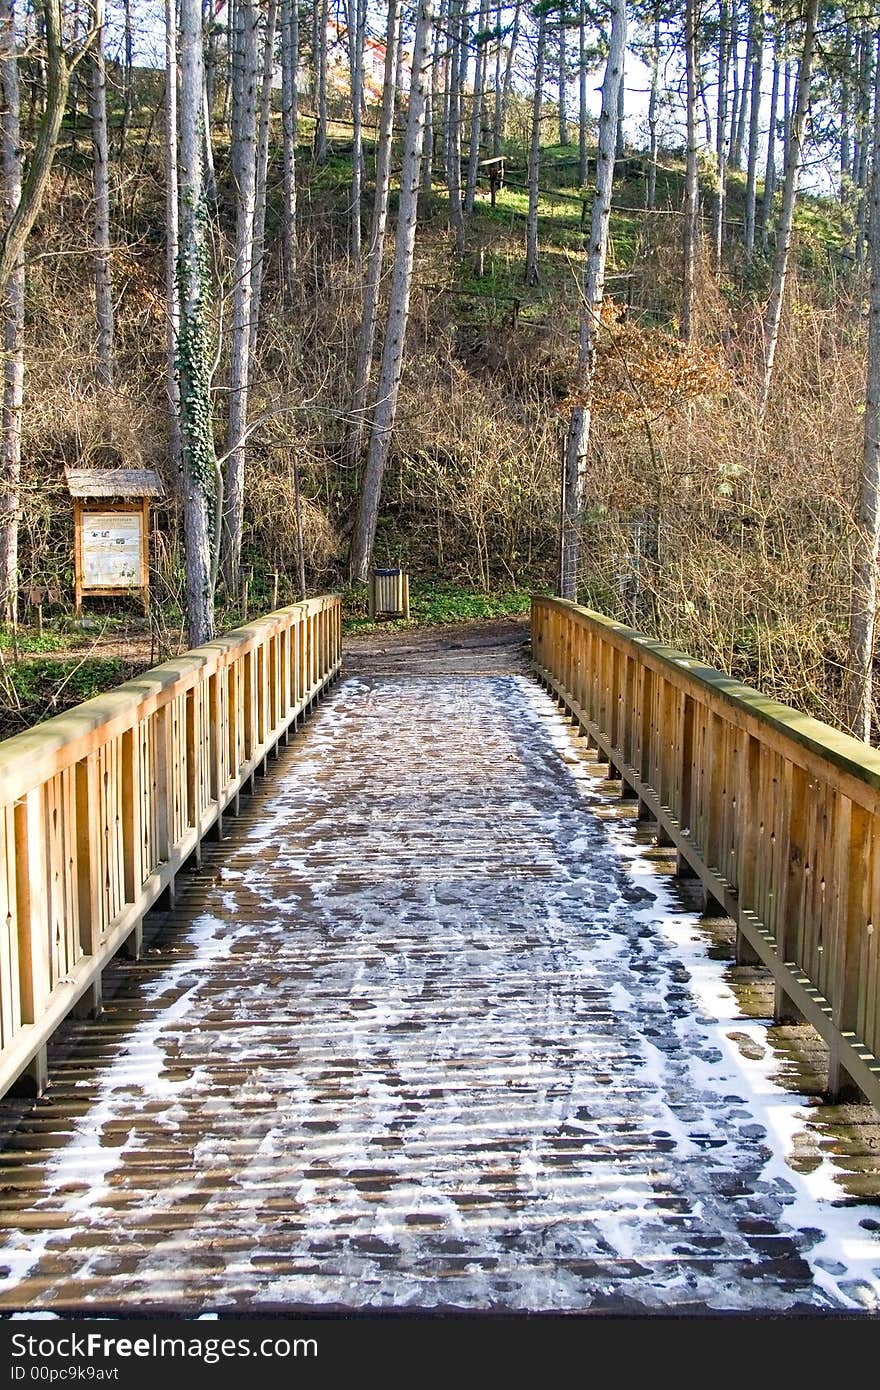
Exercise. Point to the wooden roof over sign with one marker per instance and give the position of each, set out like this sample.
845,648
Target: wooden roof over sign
113,482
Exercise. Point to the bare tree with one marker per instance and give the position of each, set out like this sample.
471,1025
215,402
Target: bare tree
477,107
385,409
794,163
754,126
563,77
583,157
59,64
262,171
863,610
653,104
357,38
531,270
323,40
458,31
101,186
245,169
578,438
127,75
770,171
366,337
721,129
289,136
502,95
691,185
13,321
200,501
172,236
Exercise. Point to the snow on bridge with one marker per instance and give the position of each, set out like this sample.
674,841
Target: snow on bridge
430,1029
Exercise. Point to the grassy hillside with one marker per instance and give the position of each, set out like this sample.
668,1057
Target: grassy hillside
725,536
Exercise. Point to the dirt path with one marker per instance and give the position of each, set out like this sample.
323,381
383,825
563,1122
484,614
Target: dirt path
488,647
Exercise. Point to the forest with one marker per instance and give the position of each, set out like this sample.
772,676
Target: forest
563,297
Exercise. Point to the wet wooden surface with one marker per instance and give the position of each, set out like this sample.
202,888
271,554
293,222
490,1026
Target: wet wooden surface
416,1035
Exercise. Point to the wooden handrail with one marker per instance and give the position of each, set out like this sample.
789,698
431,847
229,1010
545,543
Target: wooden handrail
100,806
778,814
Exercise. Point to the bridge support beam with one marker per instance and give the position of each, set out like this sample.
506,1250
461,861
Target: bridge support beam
841,1087
133,945
91,1003
33,1080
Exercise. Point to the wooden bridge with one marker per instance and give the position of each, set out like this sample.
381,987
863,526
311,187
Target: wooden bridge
421,1022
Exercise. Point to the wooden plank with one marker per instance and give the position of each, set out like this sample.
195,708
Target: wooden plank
10,997
34,952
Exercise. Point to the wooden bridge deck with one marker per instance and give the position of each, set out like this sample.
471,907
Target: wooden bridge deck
416,1036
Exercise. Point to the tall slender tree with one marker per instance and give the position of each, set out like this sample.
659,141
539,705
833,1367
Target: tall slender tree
13,319
754,128
372,281
391,367
172,238
691,185
200,499
480,41
289,137
245,171
863,601
531,269
60,62
101,186
721,128
578,435
794,164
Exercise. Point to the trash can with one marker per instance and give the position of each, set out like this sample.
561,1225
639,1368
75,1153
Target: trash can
389,594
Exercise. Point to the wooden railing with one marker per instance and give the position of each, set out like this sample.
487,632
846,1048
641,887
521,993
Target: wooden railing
777,813
100,807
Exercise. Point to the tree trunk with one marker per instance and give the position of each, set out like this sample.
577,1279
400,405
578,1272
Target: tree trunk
359,14
786,112
193,348
770,175
391,367
172,242
262,172
239,377
289,135
866,84
734,72
127,71
563,79
36,178
578,435
13,321
721,130
476,111
844,112
101,186
508,70
620,142
863,609
691,188
210,174
321,132
794,164
535,157
754,126
458,29
739,134
373,278
653,100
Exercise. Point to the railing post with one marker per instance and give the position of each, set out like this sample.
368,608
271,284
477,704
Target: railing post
34,948
854,840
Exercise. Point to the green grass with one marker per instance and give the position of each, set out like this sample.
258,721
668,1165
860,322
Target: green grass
436,604
33,641
38,687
